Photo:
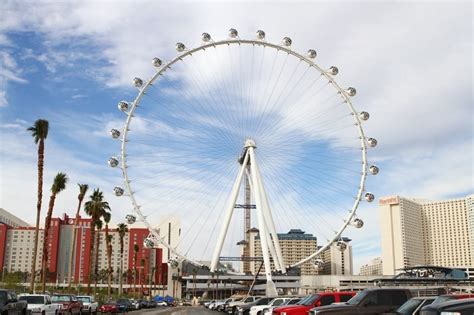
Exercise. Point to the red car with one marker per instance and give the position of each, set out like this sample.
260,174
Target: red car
314,300
68,303
108,308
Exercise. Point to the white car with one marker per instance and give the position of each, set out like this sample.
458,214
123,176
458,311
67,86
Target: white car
291,301
161,303
89,305
232,306
39,304
258,309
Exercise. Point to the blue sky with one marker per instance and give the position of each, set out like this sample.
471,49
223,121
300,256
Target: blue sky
72,62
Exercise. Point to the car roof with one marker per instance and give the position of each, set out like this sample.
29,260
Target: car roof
459,295
423,297
459,302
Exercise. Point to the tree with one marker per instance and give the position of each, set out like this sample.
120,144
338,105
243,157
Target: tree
108,239
94,208
122,230
59,185
142,267
82,193
98,225
135,256
39,132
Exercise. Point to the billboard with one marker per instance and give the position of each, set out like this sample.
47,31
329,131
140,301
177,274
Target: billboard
389,200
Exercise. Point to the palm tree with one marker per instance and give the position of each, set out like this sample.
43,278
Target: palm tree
135,256
142,267
59,185
98,225
122,230
108,239
82,193
39,132
94,208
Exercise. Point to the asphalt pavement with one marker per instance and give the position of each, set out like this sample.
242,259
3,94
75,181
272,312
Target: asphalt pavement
184,310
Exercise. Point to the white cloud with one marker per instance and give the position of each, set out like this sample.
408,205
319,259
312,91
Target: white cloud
411,63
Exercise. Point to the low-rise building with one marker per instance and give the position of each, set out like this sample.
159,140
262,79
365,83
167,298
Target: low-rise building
373,268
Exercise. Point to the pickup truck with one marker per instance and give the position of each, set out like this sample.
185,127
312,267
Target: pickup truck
68,304
40,304
313,300
89,305
368,301
9,304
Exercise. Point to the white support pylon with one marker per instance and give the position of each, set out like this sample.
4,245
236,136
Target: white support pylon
270,285
268,236
230,211
278,258
265,233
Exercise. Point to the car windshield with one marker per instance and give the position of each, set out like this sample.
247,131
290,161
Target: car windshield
292,301
309,300
249,299
441,299
357,298
61,298
262,301
32,299
409,306
84,299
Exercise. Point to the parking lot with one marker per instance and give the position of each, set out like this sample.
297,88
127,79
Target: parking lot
185,310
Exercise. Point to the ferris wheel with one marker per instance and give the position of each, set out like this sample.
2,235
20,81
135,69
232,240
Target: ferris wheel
243,132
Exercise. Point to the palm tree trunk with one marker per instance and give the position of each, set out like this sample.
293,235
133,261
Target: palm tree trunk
47,225
72,245
121,271
109,257
89,278
109,270
96,260
38,211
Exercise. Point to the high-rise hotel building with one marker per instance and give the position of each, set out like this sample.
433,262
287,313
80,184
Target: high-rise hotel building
421,232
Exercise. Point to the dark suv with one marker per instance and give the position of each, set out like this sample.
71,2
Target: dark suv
368,301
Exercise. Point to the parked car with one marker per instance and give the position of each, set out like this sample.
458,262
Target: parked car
89,305
368,301
291,301
161,303
314,300
9,303
231,307
135,304
151,304
258,308
68,303
451,307
414,305
220,305
450,297
39,304
206,304
124,305
109,307
244,309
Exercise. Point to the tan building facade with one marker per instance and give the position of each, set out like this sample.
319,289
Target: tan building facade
337,262
420,232
373,268
295,246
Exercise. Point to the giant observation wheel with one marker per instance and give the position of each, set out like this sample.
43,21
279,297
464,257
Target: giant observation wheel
250,109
